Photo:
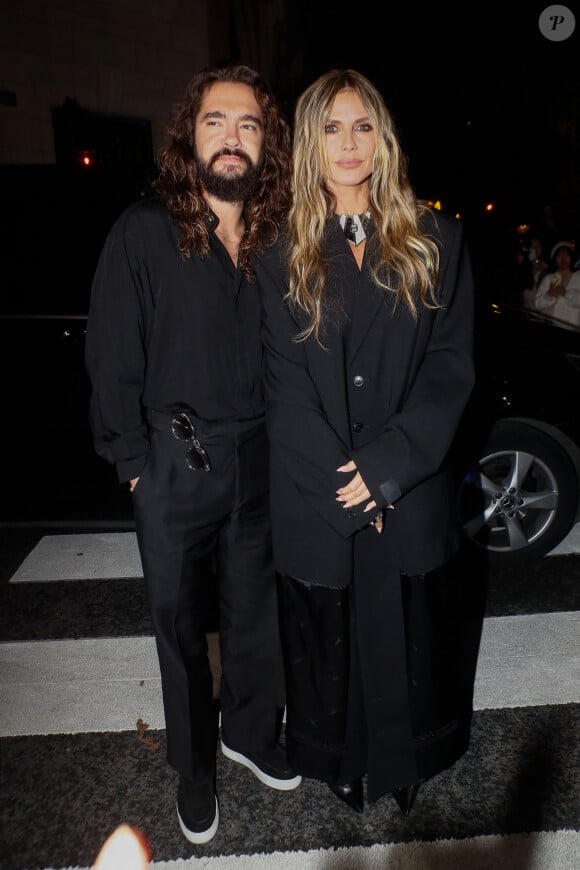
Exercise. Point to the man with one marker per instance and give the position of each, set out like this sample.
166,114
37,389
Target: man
174,355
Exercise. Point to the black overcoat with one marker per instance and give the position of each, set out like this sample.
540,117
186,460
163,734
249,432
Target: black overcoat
389,393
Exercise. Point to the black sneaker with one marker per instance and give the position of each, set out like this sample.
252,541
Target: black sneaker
197,810
270,767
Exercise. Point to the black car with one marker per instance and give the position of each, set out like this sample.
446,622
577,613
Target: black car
51,473
53,225
519,445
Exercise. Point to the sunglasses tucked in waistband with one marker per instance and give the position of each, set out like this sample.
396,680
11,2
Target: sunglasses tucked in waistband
184,430
186,426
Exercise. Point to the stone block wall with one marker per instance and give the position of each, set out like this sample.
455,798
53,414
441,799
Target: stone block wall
123,57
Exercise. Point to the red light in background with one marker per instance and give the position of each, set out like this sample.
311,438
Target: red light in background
489,207
86,158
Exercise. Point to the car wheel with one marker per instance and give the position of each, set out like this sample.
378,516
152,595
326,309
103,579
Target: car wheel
520,501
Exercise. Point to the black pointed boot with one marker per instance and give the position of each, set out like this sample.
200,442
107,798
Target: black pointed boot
351,793
405,797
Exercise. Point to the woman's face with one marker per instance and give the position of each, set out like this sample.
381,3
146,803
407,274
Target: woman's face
350,141
563,259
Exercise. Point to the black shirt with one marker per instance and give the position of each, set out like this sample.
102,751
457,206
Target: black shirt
166,331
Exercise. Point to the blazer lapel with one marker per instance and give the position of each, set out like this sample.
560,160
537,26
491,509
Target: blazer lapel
368,299
323,364
366,305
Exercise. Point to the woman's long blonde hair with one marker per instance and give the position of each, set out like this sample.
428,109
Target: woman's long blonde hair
403,260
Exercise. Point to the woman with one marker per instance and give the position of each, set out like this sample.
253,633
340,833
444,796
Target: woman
559,291
367,324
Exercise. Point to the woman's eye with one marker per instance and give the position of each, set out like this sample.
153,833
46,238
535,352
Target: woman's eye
330,128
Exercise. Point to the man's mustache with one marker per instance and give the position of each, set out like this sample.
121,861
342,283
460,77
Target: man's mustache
231,152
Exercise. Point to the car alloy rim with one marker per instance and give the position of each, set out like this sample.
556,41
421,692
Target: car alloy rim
509,501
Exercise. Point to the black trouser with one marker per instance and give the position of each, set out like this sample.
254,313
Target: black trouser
181,516
315,635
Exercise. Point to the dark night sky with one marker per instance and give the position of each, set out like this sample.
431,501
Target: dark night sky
477,94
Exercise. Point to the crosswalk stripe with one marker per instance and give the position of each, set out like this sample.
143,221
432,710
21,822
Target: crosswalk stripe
110,555
106,684
528,661
544,851
100,556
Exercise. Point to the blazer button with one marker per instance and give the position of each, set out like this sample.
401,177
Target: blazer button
357,427
358,380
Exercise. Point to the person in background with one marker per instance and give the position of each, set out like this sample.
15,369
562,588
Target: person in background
559,291
367,323
536,268
174,355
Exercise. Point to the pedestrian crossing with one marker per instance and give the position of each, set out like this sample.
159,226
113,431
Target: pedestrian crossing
82,735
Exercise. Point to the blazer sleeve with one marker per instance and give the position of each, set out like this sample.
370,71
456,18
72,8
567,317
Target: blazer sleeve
115,353
415,442
301,436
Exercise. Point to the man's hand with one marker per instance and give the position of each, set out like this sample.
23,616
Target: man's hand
133,484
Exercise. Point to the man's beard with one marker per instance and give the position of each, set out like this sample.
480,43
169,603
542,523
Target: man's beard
230,186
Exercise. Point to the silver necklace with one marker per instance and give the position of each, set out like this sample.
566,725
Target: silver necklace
354,226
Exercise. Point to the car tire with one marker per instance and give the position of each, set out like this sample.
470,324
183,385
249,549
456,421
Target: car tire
520,500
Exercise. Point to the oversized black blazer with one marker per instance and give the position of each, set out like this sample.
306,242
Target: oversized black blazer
392,403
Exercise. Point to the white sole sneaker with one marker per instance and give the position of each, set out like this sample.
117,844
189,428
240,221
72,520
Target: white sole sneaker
273,782
198,837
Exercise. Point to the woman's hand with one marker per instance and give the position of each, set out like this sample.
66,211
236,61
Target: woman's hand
356,491
556,289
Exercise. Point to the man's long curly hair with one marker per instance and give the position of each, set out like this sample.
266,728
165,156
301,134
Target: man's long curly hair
403,260
178,184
